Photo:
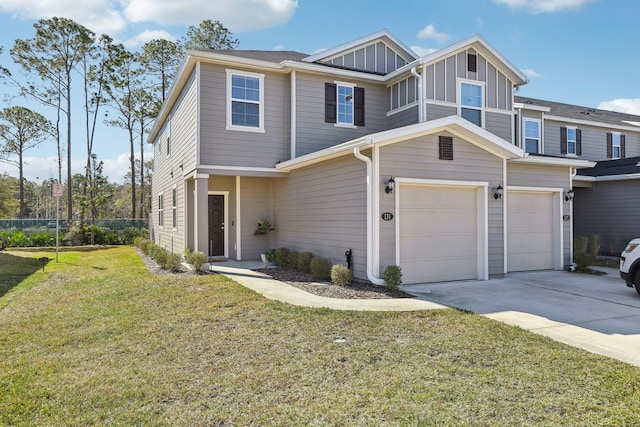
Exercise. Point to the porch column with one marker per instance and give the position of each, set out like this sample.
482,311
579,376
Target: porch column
201,213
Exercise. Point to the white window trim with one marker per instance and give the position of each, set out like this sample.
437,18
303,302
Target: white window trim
338,123
575,141
230,126
483,86
160,210
524,133
174,207
613,145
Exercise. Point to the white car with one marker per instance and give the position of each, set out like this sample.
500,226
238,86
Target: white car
630,264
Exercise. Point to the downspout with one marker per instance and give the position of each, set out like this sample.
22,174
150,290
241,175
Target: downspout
420,95
370,275
572,173
294,107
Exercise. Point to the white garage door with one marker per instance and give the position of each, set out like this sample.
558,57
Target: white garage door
438,233
530,232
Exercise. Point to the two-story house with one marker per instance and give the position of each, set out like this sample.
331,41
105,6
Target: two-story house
406,160
607,198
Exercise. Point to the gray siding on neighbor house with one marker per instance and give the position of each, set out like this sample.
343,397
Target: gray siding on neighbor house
418,158
499,124
313,133
610,210
527,175
219,146
594,140
180,131
403,118
323,209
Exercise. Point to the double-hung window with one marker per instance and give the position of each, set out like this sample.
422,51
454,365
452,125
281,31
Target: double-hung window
343,104
532,136
245,101
471,102
570,141
160,211
615,145
174,207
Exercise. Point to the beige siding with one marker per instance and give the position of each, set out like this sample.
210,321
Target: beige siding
255,199
314,134
419,159
219,146
322,209
526,175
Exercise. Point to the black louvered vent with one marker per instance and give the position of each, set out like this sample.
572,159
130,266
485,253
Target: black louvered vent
472,62
446,148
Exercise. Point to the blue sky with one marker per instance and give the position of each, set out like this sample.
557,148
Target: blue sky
581,52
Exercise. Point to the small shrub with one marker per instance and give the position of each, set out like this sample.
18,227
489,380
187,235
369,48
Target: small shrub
75,236
341,275
112,239
197,260
43,239
320,268
188,254
303,263
151,250
19,240
160,256
131,233
292,260
282,257
173,262
594,245
580,256
392,277
270,255
98,234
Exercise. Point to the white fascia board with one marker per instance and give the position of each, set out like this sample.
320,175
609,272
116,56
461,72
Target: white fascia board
590,123
555,161
608,178
326,70
362,40
521,106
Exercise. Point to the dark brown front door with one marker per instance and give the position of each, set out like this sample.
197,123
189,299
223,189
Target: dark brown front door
216,225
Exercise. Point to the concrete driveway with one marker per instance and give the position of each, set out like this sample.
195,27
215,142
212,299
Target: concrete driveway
596,313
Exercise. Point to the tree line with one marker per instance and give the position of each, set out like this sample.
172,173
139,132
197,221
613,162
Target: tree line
64,59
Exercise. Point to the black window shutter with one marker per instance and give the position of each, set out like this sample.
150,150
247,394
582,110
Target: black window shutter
622,148
609,145
563,140
358,106
472,62
446,147
578,142
330,103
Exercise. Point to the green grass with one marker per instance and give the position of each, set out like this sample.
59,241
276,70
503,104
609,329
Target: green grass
97,340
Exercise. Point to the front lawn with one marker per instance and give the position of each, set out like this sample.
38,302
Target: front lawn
97,340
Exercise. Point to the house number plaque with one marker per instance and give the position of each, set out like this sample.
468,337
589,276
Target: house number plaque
387,216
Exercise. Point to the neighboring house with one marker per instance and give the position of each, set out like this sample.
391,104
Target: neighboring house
405,160
607,198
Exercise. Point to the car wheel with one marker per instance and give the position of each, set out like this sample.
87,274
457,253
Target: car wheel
636,281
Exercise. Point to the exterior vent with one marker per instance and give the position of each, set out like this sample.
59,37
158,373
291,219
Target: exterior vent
446,147
472,62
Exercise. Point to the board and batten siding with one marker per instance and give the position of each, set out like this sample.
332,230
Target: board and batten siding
610,210
376,57
528,175
322,208
313,133
219,146
419,158
180,131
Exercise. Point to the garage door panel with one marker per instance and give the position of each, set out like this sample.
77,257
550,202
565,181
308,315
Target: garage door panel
530,235
438,233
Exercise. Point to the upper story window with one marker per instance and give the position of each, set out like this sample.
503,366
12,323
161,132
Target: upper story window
615,145
174,207
472,102
570,141
343,104
245,101
532,136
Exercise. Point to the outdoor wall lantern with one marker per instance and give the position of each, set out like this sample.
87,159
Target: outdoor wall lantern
391,184
568,196
499,191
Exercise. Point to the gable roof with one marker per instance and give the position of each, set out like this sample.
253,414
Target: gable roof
583,114
275,56
628,166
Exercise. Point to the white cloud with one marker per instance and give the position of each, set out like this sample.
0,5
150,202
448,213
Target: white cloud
543,6
479,22
231,13
530,73
147,36
430,32
422,51
622,105
97,15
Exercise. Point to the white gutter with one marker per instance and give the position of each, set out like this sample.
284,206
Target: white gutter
293,114
372,278
420,95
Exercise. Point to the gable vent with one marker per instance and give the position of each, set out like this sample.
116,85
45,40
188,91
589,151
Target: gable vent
446,147
472,62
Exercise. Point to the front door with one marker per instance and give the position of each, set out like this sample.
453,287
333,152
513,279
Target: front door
216,225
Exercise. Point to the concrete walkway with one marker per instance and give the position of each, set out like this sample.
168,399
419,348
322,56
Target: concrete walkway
596,313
